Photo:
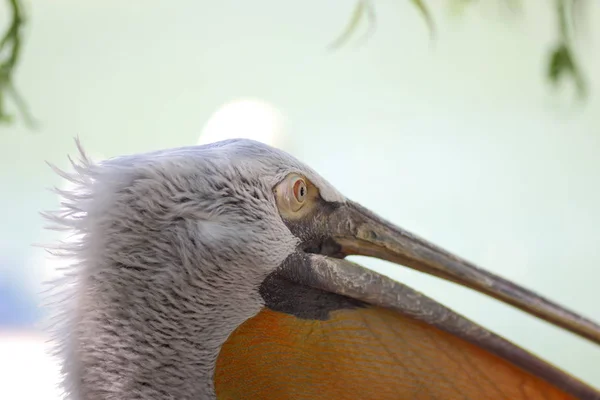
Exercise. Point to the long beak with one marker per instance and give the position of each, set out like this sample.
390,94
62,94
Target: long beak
360,232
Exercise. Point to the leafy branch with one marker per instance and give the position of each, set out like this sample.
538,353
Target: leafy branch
562,60
10,51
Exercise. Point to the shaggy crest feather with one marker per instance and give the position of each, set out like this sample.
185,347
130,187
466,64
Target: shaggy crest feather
63,318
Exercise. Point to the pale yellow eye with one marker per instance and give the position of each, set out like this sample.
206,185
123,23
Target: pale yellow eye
292,194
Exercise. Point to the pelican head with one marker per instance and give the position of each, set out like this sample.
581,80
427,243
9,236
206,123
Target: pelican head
177,248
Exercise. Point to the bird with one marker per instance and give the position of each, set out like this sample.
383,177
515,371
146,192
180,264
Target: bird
220,271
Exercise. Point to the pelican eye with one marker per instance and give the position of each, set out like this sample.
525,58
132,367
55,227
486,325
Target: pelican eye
299,190
293,194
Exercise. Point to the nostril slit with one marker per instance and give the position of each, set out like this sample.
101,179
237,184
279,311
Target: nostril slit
373,235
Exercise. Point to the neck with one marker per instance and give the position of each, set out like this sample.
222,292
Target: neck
159,338
151,313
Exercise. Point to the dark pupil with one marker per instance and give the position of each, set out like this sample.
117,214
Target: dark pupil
302,191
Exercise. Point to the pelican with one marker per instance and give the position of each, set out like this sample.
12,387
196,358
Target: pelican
219,272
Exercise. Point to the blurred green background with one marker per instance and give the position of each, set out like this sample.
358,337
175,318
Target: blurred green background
460,140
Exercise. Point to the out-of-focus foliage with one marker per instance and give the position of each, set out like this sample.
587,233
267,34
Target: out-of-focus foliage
562,61
10,50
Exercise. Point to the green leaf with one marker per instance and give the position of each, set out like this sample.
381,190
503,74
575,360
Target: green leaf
420,4
10,51
560,63
357,15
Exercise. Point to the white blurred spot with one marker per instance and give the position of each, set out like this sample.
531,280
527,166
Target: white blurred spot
247,118
27,371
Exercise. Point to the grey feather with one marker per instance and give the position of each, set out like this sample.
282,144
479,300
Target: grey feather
171,249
